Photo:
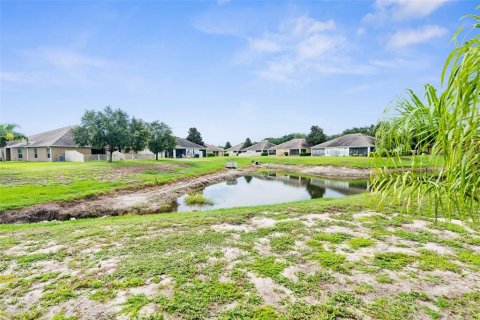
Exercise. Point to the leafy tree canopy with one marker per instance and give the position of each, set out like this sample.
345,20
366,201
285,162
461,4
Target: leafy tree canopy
247,143
195,136
107,128
139,134
161,138
286,138
228,145
316,136
8,133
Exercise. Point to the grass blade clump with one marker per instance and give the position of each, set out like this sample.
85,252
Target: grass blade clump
197,199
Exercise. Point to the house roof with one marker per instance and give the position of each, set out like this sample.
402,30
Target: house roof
292,144
183,144
235,148
61,137
264,145
211,147
349,140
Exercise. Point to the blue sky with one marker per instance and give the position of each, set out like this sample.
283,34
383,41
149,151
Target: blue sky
233,69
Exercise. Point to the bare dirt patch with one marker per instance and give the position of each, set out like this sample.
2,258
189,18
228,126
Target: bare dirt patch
323,171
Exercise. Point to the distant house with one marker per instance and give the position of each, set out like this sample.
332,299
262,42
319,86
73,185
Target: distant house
46,146
235,149
356,144
217,151
258,148
187,149
293,147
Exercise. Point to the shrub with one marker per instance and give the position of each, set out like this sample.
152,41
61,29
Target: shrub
210,155
264,154
285,153
226,154
305,154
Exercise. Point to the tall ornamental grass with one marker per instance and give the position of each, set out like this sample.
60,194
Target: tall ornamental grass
445,125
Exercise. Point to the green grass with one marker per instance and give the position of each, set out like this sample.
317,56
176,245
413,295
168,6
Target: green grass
185,265
24,184
197,199
393,260
357,243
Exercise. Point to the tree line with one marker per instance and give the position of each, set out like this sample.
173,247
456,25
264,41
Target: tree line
115,130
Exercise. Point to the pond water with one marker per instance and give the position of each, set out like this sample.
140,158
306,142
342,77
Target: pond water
271,188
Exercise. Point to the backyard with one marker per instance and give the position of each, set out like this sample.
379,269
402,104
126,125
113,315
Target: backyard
317,259
63,181
314,259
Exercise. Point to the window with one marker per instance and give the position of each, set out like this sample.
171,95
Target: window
48,153
20,154
35,153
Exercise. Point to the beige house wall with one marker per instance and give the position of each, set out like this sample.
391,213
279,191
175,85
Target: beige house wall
280,153
57,151
42,153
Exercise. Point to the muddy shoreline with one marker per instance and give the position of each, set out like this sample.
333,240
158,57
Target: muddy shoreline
322,171
156,199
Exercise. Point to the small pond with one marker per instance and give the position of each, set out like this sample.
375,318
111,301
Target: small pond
271,188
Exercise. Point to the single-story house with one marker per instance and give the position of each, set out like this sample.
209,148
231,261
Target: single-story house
355,144
235,149
258,148
187,149
293,147
217,151
46,146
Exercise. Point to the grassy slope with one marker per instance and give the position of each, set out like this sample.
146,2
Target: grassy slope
24,184
27,183
205,264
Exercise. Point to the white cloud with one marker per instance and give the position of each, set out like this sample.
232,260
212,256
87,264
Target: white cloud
403,38
65,58
396,10
300,48
264,45
305,26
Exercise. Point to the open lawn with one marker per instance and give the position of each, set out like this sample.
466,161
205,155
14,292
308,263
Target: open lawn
317,259
28,183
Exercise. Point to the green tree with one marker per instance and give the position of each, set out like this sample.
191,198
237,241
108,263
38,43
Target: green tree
368,130
286,138
448,124
107,128
247,143
161,138
139,134
195,136
8,133
228,145
316,136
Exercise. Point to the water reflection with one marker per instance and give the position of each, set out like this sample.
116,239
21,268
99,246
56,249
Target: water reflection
271,188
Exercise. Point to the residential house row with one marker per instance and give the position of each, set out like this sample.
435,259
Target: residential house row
58,145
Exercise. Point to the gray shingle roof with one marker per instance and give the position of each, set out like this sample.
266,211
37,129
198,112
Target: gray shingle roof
211,147
264,145
349,140
292,144
183,144
61,137
235,148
